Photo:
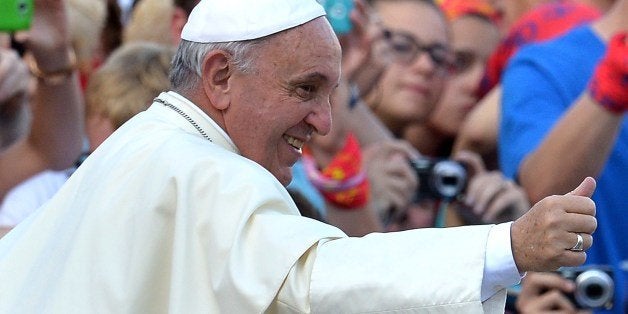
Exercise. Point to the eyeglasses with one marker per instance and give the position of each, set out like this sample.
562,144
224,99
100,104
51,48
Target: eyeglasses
405,49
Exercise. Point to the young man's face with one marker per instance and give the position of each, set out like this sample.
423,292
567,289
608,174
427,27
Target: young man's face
286,97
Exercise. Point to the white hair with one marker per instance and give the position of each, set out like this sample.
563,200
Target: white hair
188,60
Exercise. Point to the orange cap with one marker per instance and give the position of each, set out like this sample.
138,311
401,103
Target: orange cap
456,8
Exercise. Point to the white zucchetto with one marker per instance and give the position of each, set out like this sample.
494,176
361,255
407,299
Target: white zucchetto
214,21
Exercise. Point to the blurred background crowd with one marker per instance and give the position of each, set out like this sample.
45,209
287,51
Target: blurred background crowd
448,113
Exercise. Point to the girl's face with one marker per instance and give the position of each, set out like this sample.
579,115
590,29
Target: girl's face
412,84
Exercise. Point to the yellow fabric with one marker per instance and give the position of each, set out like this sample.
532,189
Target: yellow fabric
159,220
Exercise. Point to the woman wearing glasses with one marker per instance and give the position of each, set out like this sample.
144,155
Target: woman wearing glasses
489,196
412,84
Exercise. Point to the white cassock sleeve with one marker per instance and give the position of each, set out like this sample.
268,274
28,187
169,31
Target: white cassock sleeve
425,270
500,270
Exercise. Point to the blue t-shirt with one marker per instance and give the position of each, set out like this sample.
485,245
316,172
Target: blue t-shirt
539,85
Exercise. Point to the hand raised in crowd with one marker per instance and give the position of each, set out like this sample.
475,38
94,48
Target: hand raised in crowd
48,38
489,194
365,51
545,293
556,231
55,138
393,182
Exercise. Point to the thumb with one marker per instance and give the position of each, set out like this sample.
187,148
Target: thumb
586,188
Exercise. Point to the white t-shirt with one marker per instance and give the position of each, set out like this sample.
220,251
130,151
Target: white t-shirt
25,198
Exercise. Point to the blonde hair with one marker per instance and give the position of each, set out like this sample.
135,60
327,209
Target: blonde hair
150,21
127,83
86,20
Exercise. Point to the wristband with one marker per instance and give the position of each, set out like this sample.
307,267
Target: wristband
52,78
343,182
609,85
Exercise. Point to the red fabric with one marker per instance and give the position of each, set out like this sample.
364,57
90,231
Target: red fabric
544,22
609,85
346,165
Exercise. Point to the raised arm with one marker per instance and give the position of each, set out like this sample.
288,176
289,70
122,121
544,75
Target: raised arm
54,140
586,134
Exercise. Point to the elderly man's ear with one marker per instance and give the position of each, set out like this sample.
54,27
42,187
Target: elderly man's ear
217,71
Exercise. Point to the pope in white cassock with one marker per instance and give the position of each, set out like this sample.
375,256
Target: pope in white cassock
184,210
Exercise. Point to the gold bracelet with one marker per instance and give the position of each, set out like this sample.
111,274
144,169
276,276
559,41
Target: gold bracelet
54,77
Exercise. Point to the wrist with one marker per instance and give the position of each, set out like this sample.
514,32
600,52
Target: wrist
347,193
604,99
52,72
343,182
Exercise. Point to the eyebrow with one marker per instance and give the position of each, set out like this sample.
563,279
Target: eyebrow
315,76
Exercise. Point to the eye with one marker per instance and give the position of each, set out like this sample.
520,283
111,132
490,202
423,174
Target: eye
306,91
401,47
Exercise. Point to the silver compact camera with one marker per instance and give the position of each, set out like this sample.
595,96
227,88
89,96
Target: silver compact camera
443,179
595,286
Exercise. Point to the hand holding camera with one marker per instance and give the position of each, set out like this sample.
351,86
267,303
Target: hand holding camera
544,292
570,290
41,26
441,179
49,38
15,15
393,182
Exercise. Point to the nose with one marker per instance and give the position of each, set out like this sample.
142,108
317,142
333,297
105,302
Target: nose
423,62
320,118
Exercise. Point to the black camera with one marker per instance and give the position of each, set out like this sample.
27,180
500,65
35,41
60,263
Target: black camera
595,286
443,179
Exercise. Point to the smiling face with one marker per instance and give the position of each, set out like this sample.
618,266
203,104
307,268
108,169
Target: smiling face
277,105
409,89
474,38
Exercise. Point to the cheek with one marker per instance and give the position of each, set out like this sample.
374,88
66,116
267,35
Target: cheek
390,80
438,83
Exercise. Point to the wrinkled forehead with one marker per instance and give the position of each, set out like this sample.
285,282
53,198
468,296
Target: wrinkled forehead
311,46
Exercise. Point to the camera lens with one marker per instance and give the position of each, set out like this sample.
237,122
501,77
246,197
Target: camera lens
594,288
22,7
449,178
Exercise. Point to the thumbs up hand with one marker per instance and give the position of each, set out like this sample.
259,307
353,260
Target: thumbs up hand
556,231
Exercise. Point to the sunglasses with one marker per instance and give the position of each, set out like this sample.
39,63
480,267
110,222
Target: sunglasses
405,49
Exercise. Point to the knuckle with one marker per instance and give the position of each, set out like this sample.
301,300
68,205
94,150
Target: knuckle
593,207
552,201
554,294
592,225
553,222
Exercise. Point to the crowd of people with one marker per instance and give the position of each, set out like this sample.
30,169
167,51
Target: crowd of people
257,156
